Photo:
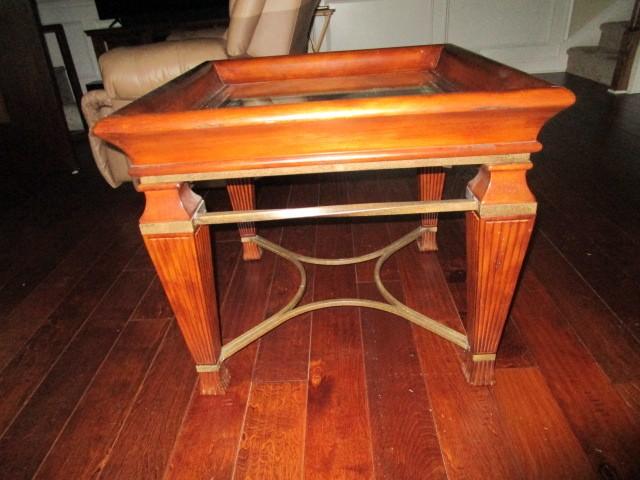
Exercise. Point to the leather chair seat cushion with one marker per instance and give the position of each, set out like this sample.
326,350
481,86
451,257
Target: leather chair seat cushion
130,72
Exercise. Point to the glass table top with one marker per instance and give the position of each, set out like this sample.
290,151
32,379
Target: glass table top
336,95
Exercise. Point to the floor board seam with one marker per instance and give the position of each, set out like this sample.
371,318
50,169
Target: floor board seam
93,377
59,356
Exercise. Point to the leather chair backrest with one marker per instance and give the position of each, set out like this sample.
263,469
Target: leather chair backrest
260,28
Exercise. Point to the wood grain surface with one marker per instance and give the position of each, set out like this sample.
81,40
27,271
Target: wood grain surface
479,108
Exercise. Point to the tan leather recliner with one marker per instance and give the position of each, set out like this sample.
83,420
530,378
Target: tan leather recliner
257,28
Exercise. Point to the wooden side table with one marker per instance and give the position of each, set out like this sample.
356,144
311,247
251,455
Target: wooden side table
419,107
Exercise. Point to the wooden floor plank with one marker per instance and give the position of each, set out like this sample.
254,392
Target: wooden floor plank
154,303
284,353
225,256
42,256
539,431
512,351
143,447
615,287
273,435
473,439
31,363
47,295
338,441
599,234
369,234
630,392
453,259
405,441
603,423
211,453
617,353
93,426
48,409
51,229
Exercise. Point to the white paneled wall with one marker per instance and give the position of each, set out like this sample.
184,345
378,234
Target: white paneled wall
528,34
360,24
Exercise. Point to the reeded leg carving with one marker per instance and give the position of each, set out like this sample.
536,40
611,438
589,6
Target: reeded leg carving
495,251
497,241
181,254
242,193
430,184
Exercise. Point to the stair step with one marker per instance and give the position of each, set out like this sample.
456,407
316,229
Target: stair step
612,32
594,63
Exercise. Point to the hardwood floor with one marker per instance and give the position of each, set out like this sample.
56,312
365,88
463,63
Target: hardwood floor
95,381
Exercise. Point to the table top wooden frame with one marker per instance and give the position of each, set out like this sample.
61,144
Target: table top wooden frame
484,109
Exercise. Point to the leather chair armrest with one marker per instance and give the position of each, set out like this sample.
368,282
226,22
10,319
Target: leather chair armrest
130,72
93,103
111,163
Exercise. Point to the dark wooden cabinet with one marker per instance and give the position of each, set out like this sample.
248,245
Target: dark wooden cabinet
35,142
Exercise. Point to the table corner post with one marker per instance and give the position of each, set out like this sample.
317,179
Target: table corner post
430,187
498,235
242,193
181,254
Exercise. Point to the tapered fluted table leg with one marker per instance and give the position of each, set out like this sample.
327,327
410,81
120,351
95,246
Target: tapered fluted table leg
181,254
242,193
497,240
430,185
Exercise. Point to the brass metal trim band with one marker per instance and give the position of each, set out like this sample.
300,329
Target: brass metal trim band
393,247
329,168
507,209
183,226
179,226
349,210
483,357
207,368
489,210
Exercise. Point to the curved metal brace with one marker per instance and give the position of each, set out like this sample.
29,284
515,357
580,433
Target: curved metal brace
389,249
290,310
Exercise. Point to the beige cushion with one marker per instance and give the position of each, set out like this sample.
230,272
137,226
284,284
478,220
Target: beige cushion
244,16
261,28
112,163
130,72
257,28
283,28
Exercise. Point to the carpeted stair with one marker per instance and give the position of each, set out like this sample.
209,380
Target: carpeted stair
598,63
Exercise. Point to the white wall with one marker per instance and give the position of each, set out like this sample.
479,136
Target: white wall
586,10
358,24
634,79
76,16
528,34
523,33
